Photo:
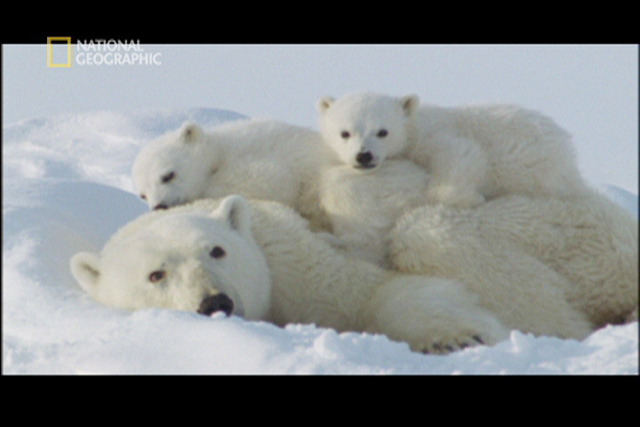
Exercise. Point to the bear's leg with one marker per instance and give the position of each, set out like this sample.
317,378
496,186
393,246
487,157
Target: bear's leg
432,315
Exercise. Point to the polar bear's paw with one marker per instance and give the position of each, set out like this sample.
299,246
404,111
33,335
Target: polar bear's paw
452,345
432,315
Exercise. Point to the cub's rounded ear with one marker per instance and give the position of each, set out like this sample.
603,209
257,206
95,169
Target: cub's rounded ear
85,267
324,103
236,212
191,132
409,104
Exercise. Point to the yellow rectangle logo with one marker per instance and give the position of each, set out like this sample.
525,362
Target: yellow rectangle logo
50,44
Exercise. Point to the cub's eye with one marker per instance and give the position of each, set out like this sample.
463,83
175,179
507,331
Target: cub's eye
345,135
157,276
217,252
382,133
168,177
143,197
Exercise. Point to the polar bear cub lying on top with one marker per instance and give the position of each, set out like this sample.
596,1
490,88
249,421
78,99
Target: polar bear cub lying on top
257,158
471,153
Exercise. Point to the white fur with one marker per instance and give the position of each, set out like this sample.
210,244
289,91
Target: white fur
471,153
179,247
275,269
513,249
363,205
259,159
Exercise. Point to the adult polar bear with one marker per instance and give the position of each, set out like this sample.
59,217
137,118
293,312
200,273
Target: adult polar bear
258,259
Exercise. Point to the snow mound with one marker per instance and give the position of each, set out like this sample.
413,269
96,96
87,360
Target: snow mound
67,188
96,146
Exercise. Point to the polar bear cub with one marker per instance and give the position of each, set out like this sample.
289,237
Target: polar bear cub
471,153
259,260
257,158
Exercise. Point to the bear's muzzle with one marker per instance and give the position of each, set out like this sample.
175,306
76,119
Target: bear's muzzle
215,303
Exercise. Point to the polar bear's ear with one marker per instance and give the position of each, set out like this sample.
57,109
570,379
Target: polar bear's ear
235,210
324,103
85,269
409,104
190,133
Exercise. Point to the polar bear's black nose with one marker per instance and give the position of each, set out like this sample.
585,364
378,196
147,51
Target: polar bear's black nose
364,158
214,303
160,206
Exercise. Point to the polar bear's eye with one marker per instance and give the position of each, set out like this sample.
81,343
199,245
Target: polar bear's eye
168,177
217,252
156,276
382,133
345,135
143,197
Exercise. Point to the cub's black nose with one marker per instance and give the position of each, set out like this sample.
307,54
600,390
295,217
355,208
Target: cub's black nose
160,207
364,158
215,303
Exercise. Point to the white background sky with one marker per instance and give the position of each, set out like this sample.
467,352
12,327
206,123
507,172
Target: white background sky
591,90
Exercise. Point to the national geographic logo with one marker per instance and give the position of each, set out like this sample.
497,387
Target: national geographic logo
62,53
60,56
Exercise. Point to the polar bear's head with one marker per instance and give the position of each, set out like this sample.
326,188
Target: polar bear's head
184,259
365,128
174,168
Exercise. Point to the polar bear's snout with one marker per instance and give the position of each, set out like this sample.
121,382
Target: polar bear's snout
214,303
365,159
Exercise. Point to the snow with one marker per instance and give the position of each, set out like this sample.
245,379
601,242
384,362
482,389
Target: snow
67,188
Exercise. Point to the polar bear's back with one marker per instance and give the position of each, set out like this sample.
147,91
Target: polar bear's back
266,138
590,241
528,152
270,160
586,248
